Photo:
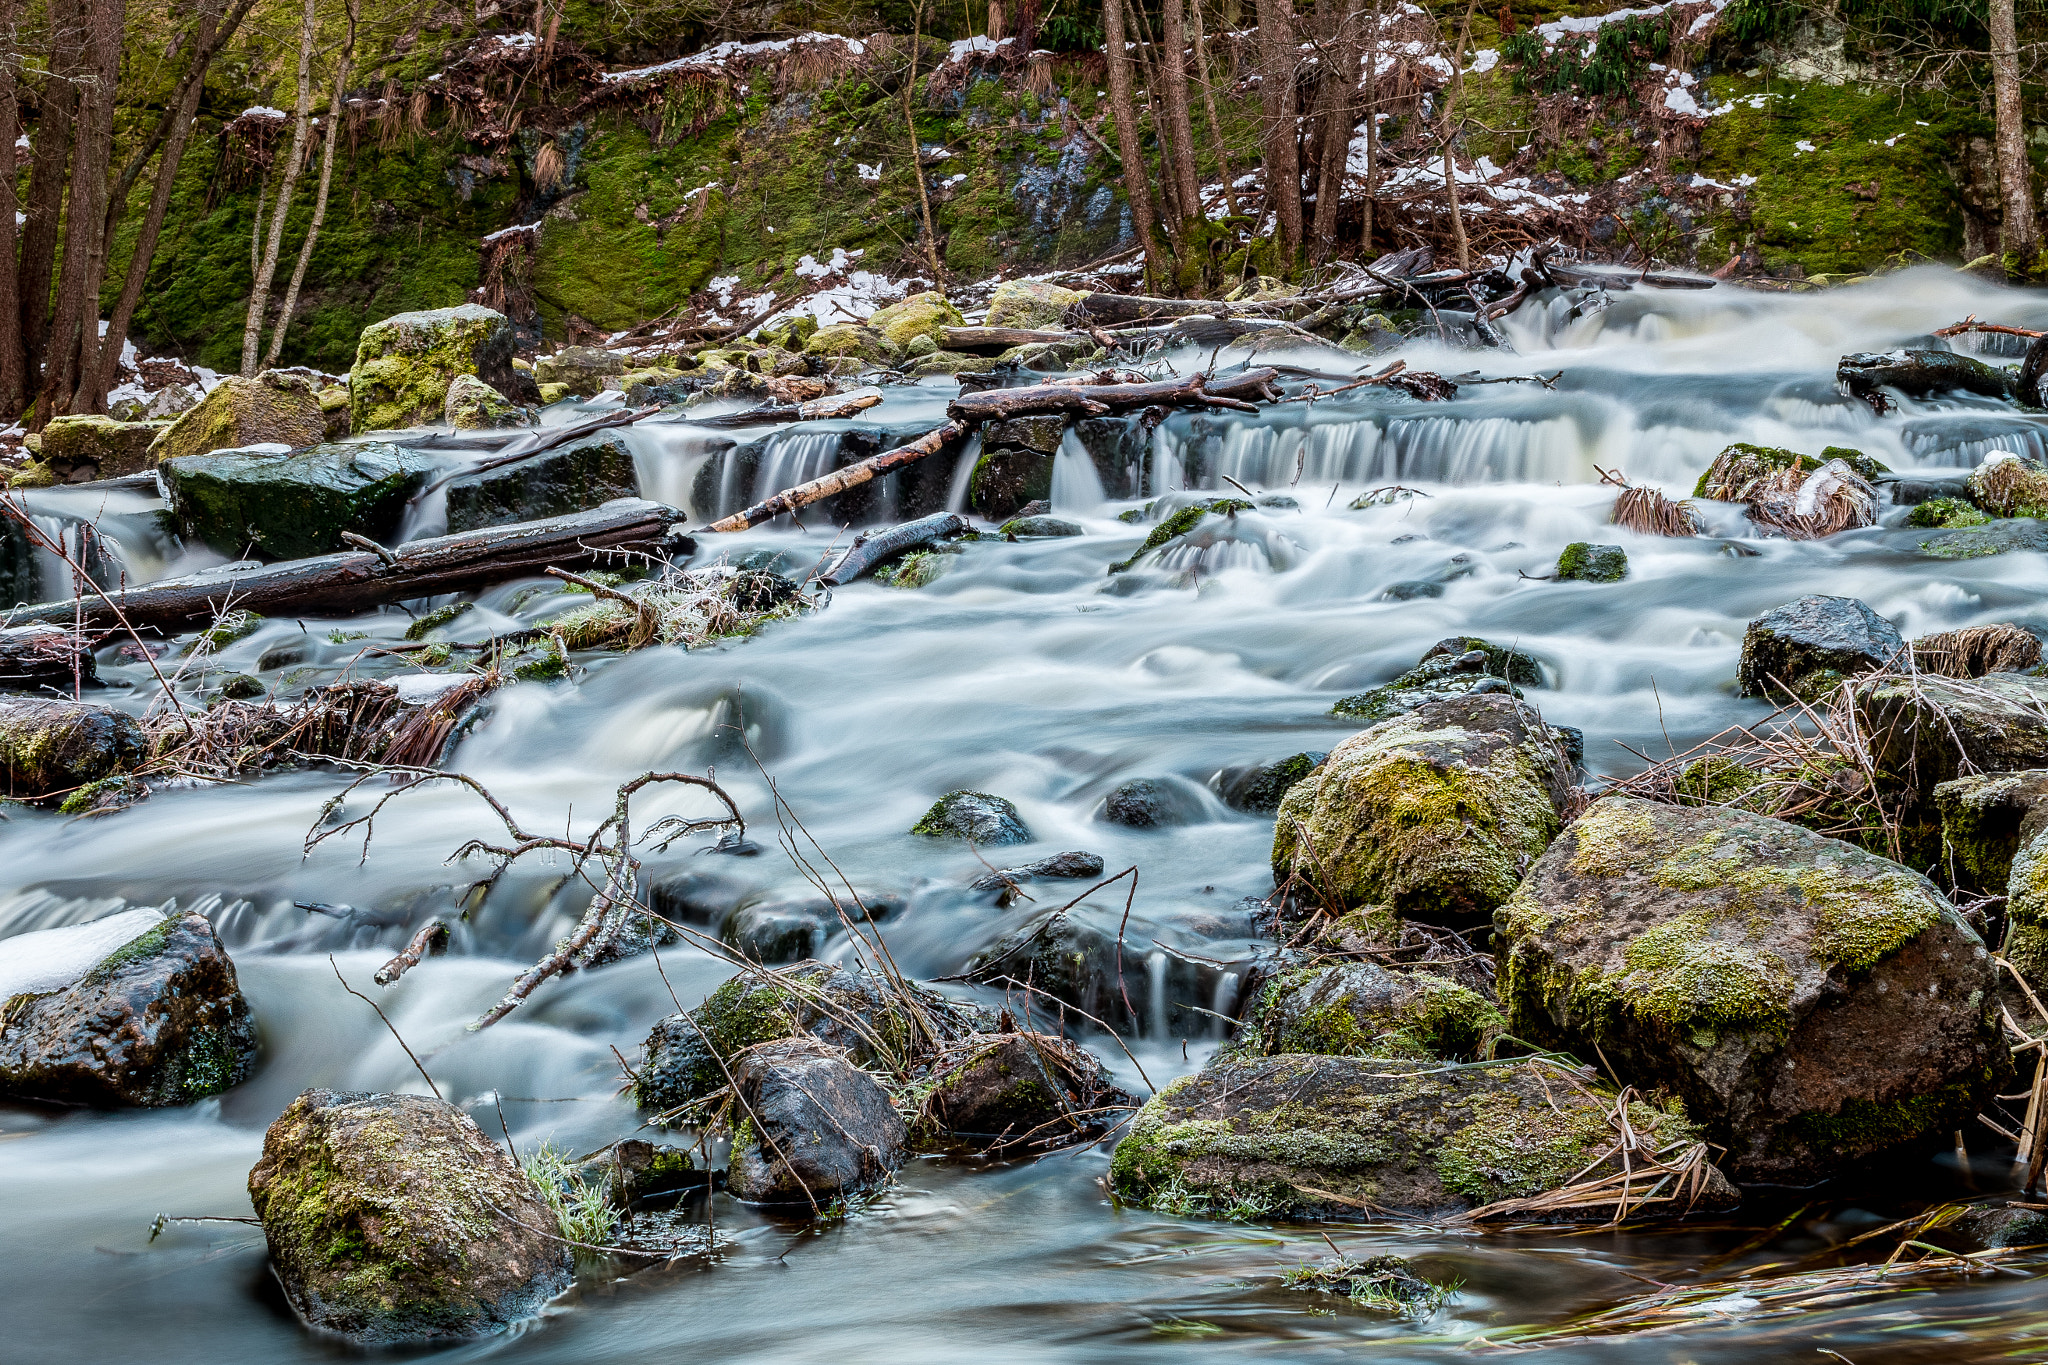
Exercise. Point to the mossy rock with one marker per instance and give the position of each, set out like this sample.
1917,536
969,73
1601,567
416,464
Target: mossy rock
580,370
80,448
917,570
573,478
1811,1003
1031,305
292,505
1004,481
990,821
2011,487
950,363
1306,1136
1433,813
1815,634
2026,911
473,405
1926,730
1039,434
555,393
1454,667
271,409
1985,819
1583,562
1942,513
49,746
1176,525
405,364
34,474
1996,537
854,341
1259,790
921,315
392,1219
1361,1009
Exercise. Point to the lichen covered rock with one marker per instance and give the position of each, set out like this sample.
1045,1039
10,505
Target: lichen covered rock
81,448
990,821
1926,730
1810,1002
49,746
580,370
1031,1090
271,409
1258,790
854,341
473,405
572,478
1299,1135
1986,819
1031,305
1785,648
292,505
1583,562
392,1219
1361,1009
816,1128
404,364
921,315
1450,668
139,1009
1432,814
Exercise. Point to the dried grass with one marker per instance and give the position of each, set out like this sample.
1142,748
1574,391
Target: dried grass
2007,486
687,607
1976,651
1671,1178
1803,500
352,721
1649,512
548,164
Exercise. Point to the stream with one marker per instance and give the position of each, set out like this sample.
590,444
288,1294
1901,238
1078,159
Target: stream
1025,671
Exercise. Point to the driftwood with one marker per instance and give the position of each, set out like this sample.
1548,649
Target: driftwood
1002,338
1919,373
1970,324
433,934
525,448
817,410
839,480
1621,278
38,656
357,580
1092,400
871,549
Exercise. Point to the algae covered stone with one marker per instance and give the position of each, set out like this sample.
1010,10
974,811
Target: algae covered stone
1583,562
1811,1003
989,821
1031,305
921,315
404,364
473,405
289,505
1783,648
49,745
1361,1009
1302,1135
572,478
1433,813
1451,668
271,409
392,1219
80,448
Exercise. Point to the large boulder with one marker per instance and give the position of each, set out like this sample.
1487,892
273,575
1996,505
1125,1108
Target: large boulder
1029,1090
78,449
1986,819
580,370
1433,813
1031,305
392,1219
1925,730
814,1127
1811,1003
1004,481
1450,668
1299,1135
271,409
573,478
404,364
137,1009
2026,911
1805,646
292,504
472,405
1361,1009
854,341
49,746
920,315
989,821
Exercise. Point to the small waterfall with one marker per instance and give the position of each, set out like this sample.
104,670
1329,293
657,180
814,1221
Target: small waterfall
1223,1006
1076,487
667,457
793,457
1155,1003
963,474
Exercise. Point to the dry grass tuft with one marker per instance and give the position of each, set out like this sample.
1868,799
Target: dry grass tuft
2007,486
1648,511
1976,651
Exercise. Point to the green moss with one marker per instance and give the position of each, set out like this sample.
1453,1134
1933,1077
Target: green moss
1938,512
1513,1149
1699,974
1587,563
432,621
1875,1125
141,948
1180,523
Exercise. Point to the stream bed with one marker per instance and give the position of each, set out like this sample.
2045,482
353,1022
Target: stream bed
1019,672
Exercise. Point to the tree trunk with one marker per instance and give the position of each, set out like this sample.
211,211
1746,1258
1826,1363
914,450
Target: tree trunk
2021,236
1171,214
1179,147
1276,102
1209,107
12,361
1337,96
1372,125
266,269
46,178
924,194
1130,150
1449,133
998,27
335,116
73,352
1027,24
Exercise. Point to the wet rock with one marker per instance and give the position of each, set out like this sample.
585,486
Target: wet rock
1411,590
137,1009
1060,866
392,1219
1030,305
473,405
687,1056
1926,730
1942,513
1787,646
1361,1009
921,315
242,687
1811,1003
1038,528
1004,480
1985,818
574,478
292,505
405,364
1257,790
1582,562
1038,434
1153,803
1031,1091
2026,910
854,341
1178,524
271,409
35,657
78,449
1433,814
1075,958
1919,487
49,746
580,370
777,931
1983,1227
1304,1136
636,1169
815,1127
989,821
1451,668
1995,538
1919,373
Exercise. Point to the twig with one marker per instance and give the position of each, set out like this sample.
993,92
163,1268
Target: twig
387,1024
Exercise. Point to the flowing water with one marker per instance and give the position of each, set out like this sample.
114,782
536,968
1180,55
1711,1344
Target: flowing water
1017,673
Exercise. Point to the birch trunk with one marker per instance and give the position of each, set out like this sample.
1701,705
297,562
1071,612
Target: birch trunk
1130,150
266,269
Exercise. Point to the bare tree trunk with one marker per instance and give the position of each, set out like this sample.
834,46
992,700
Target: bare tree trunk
1172,214
13,363
266,269
1449,133
74,345
1338,97
45,211
2021,236
998,27
924,194
1276,98
1130,150
1027,24
1209,107
1179,147
1372,124
335,115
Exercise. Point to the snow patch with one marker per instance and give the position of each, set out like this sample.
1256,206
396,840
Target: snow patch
417,689
713,58
51,959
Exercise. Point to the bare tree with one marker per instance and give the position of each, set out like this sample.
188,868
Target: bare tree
2021,236
1277,62
336,105
924,194
74,338
1336,100
1130,149
1373,40
266,266
1177,133
1209,106
13,364
1448,131
44,210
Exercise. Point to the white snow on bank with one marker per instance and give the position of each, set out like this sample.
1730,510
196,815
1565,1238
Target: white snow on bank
979,44
868,172
51,959
711,58
503,233
811,268
1483,61
262,111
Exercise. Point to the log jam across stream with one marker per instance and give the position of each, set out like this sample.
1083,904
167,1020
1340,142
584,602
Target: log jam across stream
1026,670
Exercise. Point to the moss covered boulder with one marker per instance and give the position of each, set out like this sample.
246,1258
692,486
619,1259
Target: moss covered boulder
1451,668
580,370
271,409
1583,562
392,1219
925,315
1811,1003
990,821
1432,814
404,364
291,504
2026,911
139,1009
473,405
1926,730
571,478
1032,305
1361,1009
1806,645
1311,1136
1258,790
1174,526
81,448
1004,481
854,341
1030,1090
49,746
1986,819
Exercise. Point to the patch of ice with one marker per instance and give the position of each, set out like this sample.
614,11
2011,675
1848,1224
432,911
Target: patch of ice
262,111
51,959
1483,61
1802,146
868,172
503,233
417,689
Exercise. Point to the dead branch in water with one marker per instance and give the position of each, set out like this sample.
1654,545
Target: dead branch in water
839,480
433,932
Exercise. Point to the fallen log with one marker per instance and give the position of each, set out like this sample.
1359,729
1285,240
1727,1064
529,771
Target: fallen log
839,480
1970,324
358,580
1920,373
871,548
817,410
1092,400
1001,338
